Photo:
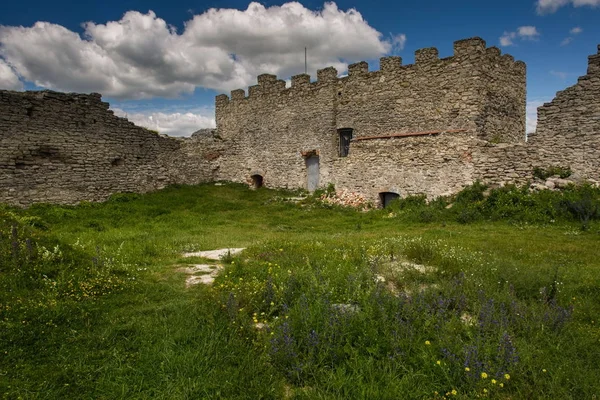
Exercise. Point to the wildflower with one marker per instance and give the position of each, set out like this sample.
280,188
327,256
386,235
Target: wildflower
467,369
544,370
501,384
484,390
438,362
493,381
427,343
484,375
506,376
454,392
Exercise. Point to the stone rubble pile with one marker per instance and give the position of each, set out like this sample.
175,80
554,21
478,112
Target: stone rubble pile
557,183
346,198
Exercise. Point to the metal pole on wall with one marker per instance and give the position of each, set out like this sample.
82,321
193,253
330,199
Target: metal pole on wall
305,69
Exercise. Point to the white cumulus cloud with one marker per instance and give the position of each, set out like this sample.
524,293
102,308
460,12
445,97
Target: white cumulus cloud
141,56
172,124
8,79
576,30
527,32
551,6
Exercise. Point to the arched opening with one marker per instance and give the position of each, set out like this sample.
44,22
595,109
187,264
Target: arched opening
386,197
257,181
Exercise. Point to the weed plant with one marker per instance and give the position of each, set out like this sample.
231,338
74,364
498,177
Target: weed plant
509,203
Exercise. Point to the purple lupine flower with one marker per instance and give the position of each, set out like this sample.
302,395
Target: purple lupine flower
507,355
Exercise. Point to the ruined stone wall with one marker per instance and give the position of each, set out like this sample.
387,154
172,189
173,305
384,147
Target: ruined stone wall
64,148
568,135
271,131
197,159
568,129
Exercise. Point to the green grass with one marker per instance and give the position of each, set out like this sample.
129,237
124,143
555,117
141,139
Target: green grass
92,305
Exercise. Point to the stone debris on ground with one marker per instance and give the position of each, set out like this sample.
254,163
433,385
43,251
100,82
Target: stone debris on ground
346,198
344,308
201,274
558,183
206,273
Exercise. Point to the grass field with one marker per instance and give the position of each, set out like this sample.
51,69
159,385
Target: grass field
418,301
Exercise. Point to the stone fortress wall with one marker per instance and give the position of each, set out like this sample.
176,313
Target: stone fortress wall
475,95
430,127
65,148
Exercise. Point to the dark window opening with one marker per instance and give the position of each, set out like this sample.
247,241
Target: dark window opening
257,181
29,111
117,162
387,197
345,138
20,165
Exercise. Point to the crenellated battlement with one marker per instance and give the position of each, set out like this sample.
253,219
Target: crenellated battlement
426,55
358,69
469,52
594,63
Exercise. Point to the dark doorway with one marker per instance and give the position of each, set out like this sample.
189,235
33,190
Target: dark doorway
345,138
387,197
257,181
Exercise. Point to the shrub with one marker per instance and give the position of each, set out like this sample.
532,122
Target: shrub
585,206
543,174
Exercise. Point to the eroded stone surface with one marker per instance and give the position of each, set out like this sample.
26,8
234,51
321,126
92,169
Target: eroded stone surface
200,268
201,274
215,254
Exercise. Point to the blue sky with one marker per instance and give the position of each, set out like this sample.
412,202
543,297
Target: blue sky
162,63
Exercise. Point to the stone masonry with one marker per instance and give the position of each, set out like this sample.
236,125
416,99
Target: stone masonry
477,95
65,148
430,127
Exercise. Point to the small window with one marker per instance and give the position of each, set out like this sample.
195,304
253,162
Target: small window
257,181
345,137
387,197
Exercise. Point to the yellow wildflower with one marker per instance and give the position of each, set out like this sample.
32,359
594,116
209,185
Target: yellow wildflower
427,343
484,375
506,376
501,384
467,369
454,392
438,362
493,381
